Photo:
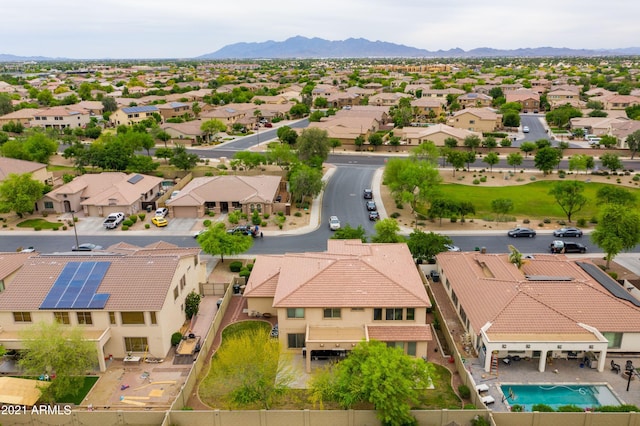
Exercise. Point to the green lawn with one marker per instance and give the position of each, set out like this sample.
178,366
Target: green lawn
41,223
530,201
88,383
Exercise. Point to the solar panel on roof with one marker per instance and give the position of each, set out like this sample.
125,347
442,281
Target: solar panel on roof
135,179
607,282
76,286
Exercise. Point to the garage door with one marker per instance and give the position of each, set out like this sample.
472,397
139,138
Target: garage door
185,211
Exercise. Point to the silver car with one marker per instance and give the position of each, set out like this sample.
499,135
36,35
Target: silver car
334,223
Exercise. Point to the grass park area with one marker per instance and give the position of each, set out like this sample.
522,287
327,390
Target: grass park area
214,394
39,224
529,201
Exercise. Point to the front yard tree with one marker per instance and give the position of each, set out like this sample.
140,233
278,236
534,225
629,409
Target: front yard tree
514,159
192,304
183,159
53,349
472,142
528,147
501,206
425,246
349,233
569,196
216,241
305,181
375,140
313,146
211,128
299,110
547,159
580,162
165,153
456,159
287,135
412,181
387,231
19,193
618,229
281,154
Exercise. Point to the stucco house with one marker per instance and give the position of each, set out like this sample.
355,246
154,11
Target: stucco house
436,134
38,171
422,107
346,127
22,116
332,300
61,117
474,100
551,307
103,193
130,115
126,299
529,100
222,194
174,109
476,120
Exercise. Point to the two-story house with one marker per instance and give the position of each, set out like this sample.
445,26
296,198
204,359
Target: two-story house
127,299
529,100
60,118
476,120
332,300
130,115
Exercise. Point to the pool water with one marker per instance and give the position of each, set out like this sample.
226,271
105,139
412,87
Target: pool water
555,395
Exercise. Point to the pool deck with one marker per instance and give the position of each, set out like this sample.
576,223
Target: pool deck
560,372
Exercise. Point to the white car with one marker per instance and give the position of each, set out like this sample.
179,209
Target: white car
162,212
525,129
451,247
334,223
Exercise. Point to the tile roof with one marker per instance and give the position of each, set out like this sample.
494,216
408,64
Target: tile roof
400,333
261,188
349,274
11,262
139,280
490,289
11,165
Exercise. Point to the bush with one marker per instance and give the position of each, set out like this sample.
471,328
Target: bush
127,222
480,421
483,179
613,275
562,223
176,338
517,408
399,205
37,228
454,219
541,224
543,408
570,409
582,222
263,224
244,273
464,391
532,178
297,214
211,214
64,227
476,182
636,178
55,228
395,215
266,216
235,266
593,220
133,218
547,220
206,223
142,216
281,214
125,227
249,266
526,221
147,226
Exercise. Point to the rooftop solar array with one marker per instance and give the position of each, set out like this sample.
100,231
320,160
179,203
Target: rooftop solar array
136,109
135,179
607,282
75,287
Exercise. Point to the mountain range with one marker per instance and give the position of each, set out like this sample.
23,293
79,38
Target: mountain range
303,47
310,48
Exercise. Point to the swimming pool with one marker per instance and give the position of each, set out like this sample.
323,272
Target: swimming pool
557,395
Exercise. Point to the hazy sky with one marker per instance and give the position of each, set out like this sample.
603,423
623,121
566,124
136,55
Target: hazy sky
182,29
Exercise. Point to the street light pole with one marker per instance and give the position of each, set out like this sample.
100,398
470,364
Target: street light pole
630,370
75,231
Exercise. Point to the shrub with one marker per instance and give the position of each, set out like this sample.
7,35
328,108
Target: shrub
526,221
206,223
211,214
55,228
454,219
480,421
176,338
208,174
263,224
127,222
133,218
395,215
221,167
464,391
636,178
297,214
562,223
517,408
147,226
244,273
142,216
249,266
235,266
613,275
399,205
542,408
266,215
483,179
37,228
532,178
476,182
234,217
541,224
125,227
547,220
570,409
594,220
75,219
582,222
255,218
64,227
281,214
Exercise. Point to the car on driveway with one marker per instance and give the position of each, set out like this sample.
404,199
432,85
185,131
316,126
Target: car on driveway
558,246
567,232
368,194
86,247
374,215
334,223
159,221
521,232
162,212
371,206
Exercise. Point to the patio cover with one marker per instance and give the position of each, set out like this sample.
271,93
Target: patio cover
20,391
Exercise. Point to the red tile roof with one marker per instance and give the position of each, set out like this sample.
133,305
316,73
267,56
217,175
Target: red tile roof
401,333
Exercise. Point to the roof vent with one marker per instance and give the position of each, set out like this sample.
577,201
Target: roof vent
547,278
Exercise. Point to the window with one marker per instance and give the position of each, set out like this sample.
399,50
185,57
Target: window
154,320
84,318
135,344
357,309
22,316
175,293
112,318
62,317
454,298
615,339
463,315
411,348
377,314
1,286
132,317
396,345
295,340
411,314
393,314
332,312
48,205
183,282
295,312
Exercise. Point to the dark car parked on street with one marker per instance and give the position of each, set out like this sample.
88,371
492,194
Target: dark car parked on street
567,232
374,215
558,246
371,206
368,194
521,232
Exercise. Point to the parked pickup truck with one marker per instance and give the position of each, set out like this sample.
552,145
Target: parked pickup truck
113,220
